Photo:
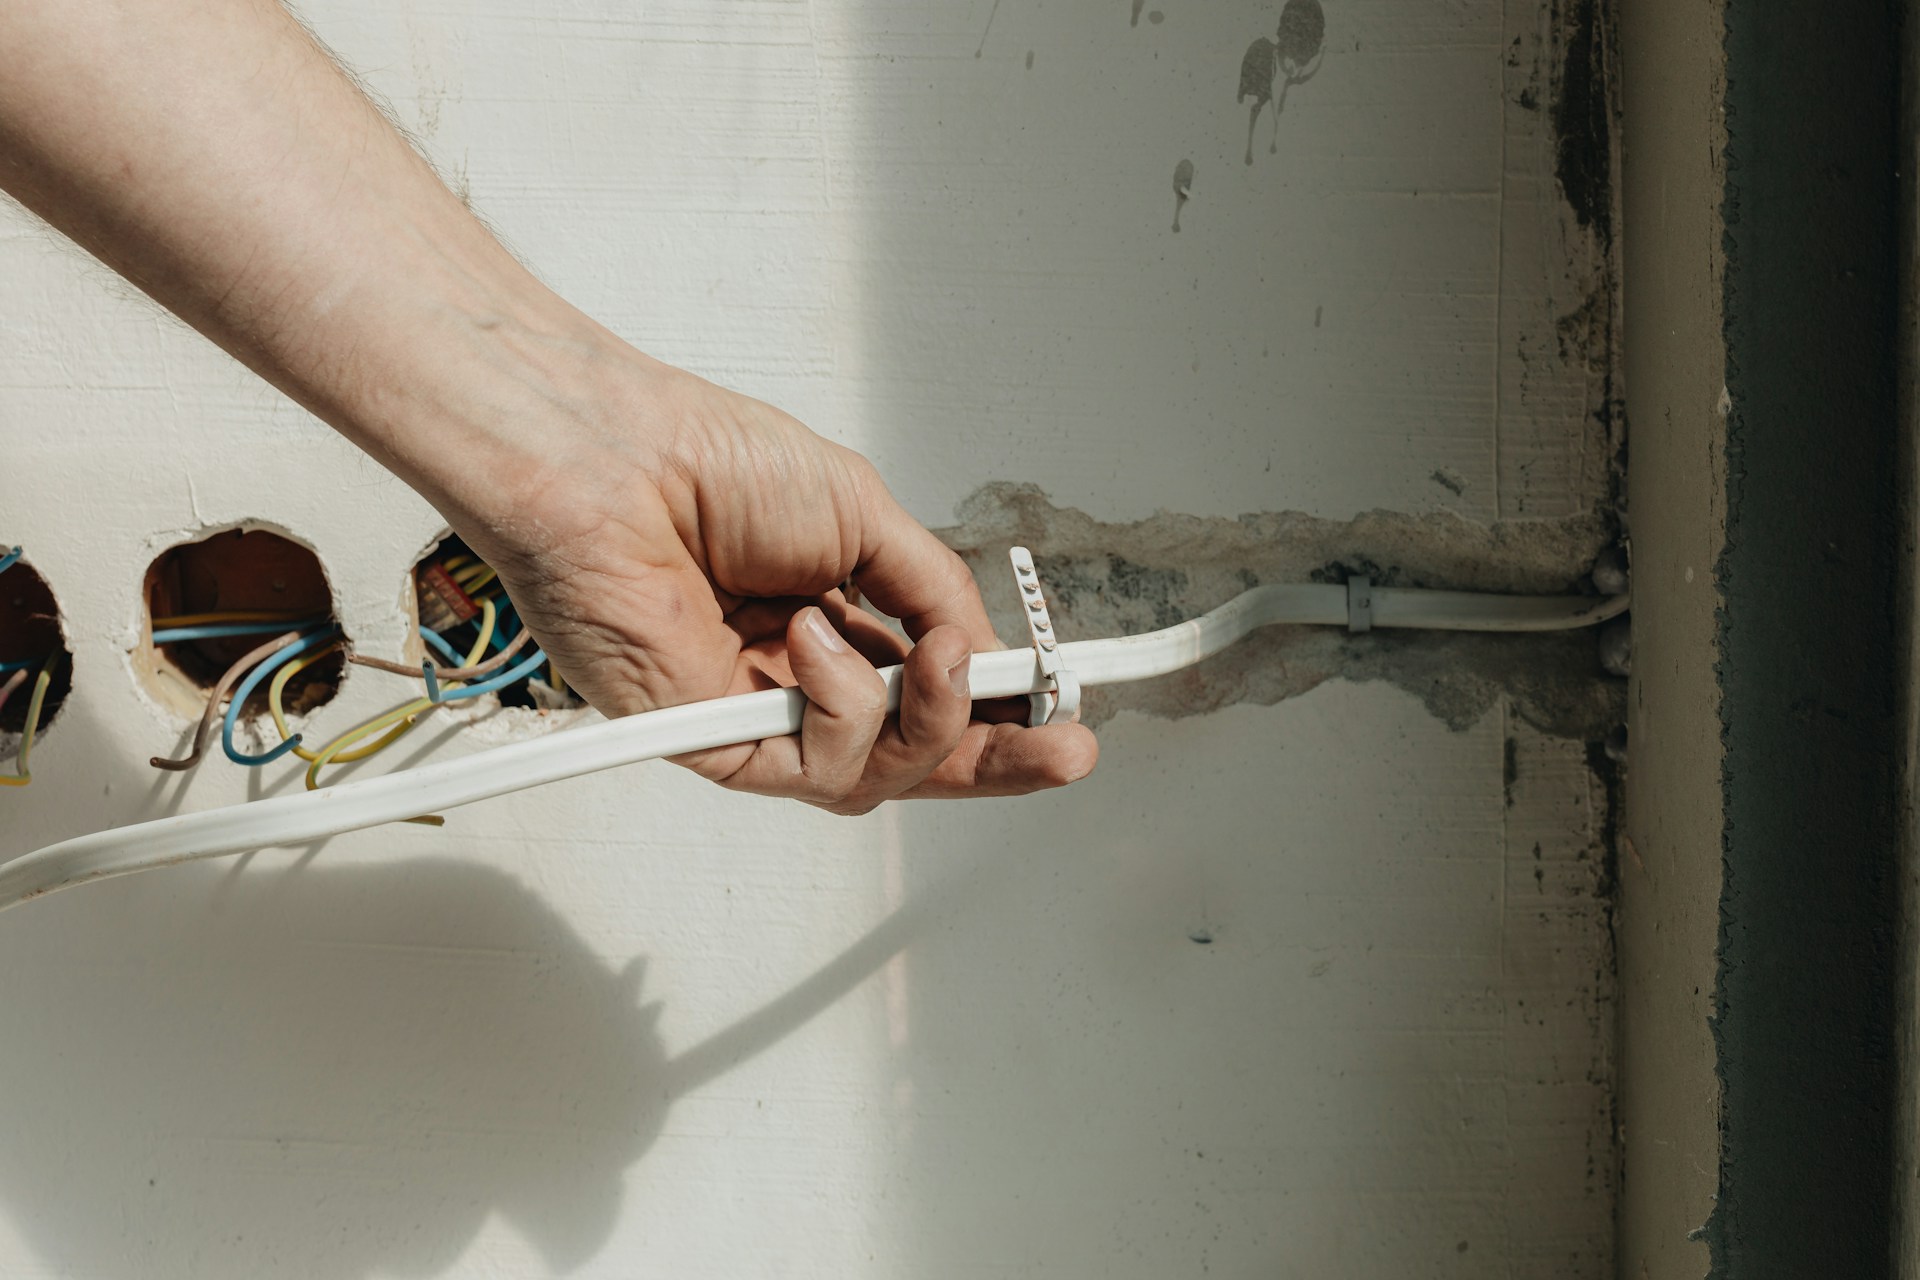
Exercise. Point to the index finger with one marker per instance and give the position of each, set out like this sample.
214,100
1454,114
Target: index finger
913,576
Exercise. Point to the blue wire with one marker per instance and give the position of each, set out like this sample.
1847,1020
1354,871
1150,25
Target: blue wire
9,560
526,667
5,667
220,631
506,626
434,638
252,682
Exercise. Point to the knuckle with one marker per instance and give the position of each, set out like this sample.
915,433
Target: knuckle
831,789
870,704
853,806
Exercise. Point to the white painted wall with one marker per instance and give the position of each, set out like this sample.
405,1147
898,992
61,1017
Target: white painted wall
634,1025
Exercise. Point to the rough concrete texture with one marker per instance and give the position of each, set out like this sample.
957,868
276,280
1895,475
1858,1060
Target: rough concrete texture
1110,579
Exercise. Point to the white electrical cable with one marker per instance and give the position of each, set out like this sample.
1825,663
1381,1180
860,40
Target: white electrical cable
329,811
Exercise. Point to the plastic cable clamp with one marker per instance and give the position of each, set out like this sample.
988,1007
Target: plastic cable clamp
1359,604
1060,704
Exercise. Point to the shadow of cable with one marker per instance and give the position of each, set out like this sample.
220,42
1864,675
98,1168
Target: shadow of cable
340,1072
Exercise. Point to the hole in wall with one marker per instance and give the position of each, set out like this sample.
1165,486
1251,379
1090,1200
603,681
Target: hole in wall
452,589
30,632
222,597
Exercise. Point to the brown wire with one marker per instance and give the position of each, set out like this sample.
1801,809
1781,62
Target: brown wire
220,690
486,668
6,690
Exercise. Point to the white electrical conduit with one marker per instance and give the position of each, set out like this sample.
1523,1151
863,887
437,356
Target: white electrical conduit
328,811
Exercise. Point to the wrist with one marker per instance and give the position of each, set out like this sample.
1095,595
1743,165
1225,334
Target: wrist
490,385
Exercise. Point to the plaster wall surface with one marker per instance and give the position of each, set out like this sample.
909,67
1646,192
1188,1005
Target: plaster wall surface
1321,988
1673,83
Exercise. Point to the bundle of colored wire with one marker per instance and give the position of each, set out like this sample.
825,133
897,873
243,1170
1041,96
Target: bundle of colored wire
399,720
220,689
224,625
306,640
23,773
296,633
303,640
473,583
41,682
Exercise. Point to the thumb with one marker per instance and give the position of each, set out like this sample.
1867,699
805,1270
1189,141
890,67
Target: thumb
913,576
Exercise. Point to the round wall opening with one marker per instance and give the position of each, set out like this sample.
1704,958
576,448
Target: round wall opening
31,641
211,603
461,604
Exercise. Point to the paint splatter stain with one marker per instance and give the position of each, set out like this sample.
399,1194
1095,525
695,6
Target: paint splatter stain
1182,188
1029,59
1256,82
1270,67
1138,5
1303,31
1201,937
1156,17
1450,480
1316,316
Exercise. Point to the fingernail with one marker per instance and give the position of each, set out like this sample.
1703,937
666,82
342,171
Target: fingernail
816,622
957,675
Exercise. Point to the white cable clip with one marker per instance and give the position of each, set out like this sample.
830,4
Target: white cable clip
1060,704
1359,603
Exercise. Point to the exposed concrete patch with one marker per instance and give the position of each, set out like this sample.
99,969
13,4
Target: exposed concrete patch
1560,431
1114,579
1583,117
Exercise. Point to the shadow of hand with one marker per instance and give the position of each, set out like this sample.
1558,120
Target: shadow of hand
332,1073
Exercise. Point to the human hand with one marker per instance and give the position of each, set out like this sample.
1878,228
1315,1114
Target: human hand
681,542
664,540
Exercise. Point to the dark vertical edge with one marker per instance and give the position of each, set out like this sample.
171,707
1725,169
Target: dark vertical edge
1906,1187
1809,643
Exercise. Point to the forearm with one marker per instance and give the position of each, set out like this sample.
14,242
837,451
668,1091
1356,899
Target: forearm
209,151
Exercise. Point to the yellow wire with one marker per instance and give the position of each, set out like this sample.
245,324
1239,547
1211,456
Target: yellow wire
489,614
229,615
399,719
404,715
454,562
277,690
276,707
40,683
396,721
478,575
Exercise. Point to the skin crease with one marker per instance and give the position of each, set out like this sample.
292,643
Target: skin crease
665,539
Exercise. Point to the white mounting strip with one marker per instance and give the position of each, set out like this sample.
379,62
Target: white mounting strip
314,815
